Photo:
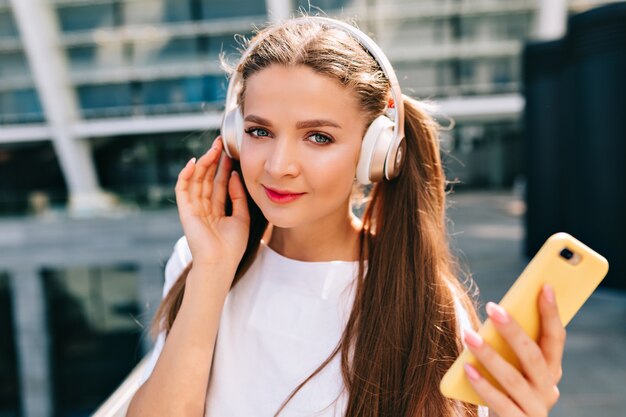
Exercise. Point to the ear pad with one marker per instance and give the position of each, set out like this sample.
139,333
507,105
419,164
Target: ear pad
232,132
374,149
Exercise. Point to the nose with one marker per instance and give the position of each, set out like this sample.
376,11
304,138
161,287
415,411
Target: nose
283,158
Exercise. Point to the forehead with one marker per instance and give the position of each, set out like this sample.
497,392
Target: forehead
298,90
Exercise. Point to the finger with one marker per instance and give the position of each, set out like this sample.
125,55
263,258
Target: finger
238,197
495,399
528,353
220,185
182,184
553,335
512,381
205,170
209,179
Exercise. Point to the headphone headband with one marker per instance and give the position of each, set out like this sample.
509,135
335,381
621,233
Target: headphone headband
395,112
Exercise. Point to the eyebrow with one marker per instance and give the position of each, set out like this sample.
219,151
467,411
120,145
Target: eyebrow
257,119
299,125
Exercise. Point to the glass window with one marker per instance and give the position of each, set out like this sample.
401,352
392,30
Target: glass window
322,4
26,101
103,96
19,183
82,56
20,106
87,17
163,92
445,76
214,89
143,168
502,71
211,9
226,43
94,333
467,71
177,11
104,55
188,94
469,28
13,63
412,33
165,51
419,79
9,390
515,26
156,11
7,24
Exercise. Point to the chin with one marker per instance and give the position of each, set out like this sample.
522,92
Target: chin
281,220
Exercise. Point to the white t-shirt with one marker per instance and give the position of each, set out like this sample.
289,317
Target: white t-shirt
279,323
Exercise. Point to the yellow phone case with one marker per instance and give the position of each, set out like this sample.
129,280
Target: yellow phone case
572,284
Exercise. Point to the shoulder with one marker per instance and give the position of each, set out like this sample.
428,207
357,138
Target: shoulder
176,264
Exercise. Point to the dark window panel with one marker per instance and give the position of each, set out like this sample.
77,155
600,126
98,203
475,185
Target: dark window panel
94,333
9,389
143,168
19,182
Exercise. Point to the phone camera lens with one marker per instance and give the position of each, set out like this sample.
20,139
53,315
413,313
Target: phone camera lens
567,254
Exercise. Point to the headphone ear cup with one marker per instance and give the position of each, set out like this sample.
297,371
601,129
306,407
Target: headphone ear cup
232,132
374,148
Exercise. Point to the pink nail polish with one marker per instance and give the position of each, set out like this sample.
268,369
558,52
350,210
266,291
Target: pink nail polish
472,338
497,313
472,373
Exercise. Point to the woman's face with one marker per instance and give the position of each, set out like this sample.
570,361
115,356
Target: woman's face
301,145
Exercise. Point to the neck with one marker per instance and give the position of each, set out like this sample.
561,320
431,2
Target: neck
334,240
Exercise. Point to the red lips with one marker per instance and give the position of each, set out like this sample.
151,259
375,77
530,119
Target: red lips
281,196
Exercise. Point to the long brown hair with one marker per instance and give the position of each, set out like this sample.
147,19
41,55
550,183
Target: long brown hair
402,333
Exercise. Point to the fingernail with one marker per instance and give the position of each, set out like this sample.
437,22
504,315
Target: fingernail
472,373
497,313
548,293
472,338
191,161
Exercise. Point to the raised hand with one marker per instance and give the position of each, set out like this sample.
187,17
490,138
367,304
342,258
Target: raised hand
201,191
532,392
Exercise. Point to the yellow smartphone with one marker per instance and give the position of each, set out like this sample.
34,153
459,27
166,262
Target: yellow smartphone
570,267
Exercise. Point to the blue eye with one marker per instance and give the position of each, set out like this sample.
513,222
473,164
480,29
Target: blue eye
320,139
258,132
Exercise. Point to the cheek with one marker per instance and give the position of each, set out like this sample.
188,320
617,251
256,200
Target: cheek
336,179
248,173
249,160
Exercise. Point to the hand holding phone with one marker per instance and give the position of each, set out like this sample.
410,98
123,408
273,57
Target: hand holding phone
570,268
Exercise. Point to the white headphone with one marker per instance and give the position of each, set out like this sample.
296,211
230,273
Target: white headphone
383,146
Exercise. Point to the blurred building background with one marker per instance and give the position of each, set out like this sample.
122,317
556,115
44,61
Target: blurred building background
103,101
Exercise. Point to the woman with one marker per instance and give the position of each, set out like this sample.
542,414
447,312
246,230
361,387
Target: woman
320,312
